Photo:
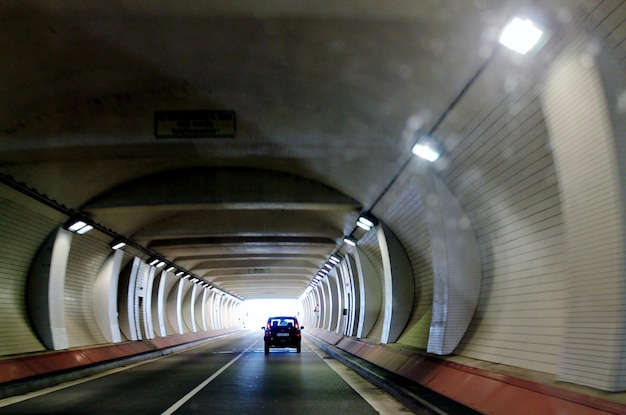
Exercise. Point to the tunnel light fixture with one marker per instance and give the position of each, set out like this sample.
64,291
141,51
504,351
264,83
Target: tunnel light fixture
79,226
170,268
153,261
156,262
520,35
76,225
117,244
84,229
335,259
428,148
348,240
366,222
328,266
180,273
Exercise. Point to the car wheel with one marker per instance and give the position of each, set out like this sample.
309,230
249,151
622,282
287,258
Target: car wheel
298,348
267,348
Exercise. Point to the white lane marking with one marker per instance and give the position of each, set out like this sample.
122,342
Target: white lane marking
380,400
210,379
30,395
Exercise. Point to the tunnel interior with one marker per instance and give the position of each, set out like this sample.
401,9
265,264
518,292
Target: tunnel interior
163,164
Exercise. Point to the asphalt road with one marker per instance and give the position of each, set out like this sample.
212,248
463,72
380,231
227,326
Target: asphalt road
230,375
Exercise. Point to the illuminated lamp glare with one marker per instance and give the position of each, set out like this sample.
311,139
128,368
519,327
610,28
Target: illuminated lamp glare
349,241
426,152
118,245
520,35
84,229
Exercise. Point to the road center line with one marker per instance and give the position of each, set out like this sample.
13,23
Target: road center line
210,379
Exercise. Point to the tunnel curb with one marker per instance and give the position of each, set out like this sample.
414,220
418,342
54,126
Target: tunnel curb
500,393
127,354
408,393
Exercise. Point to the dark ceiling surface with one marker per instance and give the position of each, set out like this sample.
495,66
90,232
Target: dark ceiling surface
329,97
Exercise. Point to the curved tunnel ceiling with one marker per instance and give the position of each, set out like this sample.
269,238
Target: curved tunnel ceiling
328,97
256,233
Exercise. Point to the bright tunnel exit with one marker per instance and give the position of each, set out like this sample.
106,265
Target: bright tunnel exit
256,312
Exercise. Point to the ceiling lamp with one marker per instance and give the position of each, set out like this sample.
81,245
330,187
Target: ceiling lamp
118,244
348,240
156,262
428,148
335,259
366,222
520,35
78,226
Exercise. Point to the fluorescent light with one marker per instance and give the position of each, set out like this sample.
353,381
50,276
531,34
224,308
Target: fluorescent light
84,229
520,35
179,273
426,152
79,224
349,241
365,223
334,259
118,245
363,226
170,268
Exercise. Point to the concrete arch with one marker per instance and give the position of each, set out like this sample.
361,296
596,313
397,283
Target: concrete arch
398,281
353,299
221,186
105,298
370,297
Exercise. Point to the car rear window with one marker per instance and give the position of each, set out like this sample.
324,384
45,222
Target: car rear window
282,322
